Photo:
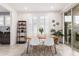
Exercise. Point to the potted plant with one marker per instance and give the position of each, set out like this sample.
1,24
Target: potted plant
58,35
41,30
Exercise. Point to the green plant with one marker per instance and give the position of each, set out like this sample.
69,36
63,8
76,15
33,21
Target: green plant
41,30
58,33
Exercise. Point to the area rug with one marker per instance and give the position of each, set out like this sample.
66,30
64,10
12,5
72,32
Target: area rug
40,51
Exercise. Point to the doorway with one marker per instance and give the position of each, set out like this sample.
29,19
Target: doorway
67,27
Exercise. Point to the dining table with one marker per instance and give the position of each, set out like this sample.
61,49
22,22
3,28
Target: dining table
40,45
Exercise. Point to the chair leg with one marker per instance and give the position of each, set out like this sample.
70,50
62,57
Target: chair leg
51,49
55,49
27,47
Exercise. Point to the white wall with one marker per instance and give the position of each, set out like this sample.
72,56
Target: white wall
13,28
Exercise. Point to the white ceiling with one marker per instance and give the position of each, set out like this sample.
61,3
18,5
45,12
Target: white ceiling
35,7
2,9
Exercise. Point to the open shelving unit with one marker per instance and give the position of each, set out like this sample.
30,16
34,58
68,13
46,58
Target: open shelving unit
21,32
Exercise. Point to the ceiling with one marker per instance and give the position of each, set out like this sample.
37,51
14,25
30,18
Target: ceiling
2,9
76,8
36,7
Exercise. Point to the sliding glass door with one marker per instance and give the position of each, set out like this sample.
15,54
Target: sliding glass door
67,27
71,27
75,14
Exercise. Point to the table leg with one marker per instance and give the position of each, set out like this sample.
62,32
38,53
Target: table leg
55,48
27,47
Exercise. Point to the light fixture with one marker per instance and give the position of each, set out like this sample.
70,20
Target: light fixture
52,7
25,8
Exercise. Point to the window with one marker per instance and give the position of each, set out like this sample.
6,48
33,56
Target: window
1,20
68,19
76,20
29,25
36,22
7,20
4,20
35,25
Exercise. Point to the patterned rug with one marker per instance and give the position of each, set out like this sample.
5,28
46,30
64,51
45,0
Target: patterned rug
41,51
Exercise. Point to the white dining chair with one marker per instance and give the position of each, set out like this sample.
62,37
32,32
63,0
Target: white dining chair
34,42
49,42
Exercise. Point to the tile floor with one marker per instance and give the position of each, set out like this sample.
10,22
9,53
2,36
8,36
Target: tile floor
20,49
17,50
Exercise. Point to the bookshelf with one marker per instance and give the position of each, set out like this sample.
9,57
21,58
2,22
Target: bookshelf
21,32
